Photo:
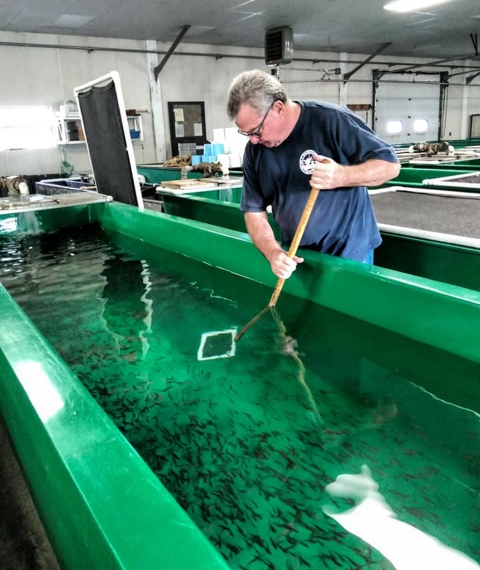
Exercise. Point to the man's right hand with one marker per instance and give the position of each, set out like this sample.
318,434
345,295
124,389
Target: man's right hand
262,235
282,265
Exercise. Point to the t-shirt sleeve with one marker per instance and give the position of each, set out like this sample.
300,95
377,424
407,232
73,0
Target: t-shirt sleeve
252,198
358,142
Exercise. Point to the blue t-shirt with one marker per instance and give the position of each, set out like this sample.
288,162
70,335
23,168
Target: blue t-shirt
342,222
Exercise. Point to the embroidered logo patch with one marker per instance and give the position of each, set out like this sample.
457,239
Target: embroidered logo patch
307,162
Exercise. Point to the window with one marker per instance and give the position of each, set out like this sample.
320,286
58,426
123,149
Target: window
394,127
420,125
26,128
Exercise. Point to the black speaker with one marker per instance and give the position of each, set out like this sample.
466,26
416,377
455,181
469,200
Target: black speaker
279,45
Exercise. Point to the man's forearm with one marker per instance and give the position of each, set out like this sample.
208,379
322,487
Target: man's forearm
328,174
261,233
263,237
370,173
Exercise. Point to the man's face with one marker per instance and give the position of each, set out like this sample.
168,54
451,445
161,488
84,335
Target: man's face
260,129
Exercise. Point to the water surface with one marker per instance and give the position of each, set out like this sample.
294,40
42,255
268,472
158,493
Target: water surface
248,444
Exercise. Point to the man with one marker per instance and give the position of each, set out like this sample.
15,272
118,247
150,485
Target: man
295,146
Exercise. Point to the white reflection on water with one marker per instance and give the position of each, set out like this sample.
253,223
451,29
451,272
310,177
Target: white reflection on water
372,520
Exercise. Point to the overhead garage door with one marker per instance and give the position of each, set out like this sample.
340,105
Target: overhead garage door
407,102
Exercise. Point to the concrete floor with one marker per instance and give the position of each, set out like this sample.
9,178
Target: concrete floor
23,542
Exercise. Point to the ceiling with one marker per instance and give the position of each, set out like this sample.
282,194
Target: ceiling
354,26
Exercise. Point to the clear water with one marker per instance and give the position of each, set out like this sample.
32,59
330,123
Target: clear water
248,444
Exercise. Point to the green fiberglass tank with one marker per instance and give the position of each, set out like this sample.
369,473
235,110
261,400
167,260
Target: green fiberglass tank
358,398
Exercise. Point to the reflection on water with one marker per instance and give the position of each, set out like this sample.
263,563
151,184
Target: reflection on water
373,520
248,444
118,275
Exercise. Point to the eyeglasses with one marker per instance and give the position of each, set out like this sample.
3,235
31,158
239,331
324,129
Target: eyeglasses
258,131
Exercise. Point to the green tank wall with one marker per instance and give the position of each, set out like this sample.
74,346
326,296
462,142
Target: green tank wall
414,176
157,174
456,265
466,165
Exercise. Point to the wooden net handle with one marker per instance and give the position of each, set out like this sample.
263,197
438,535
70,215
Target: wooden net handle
297,238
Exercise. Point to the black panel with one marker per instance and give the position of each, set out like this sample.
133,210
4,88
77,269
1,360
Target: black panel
106,143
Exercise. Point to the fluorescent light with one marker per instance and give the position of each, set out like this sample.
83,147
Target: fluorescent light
71,21
412,5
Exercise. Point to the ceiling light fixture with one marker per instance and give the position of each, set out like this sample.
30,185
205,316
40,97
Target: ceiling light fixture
412,5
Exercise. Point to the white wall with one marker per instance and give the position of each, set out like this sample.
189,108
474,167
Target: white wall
207,79
43,76
47,76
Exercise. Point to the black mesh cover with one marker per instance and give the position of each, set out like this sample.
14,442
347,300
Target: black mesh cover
106,143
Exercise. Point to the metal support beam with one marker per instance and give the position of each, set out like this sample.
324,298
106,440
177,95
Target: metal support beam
474,39
460,73
470,78
347,76
441,102
376,76
92,49
157,104
166,57
436,62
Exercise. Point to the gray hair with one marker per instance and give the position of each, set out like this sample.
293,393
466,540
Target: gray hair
256,89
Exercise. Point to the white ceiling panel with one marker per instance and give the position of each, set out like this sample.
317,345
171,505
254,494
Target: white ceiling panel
359,26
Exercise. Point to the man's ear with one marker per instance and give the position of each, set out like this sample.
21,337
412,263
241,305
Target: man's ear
279,108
